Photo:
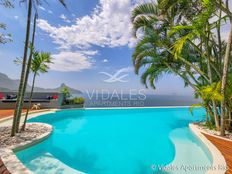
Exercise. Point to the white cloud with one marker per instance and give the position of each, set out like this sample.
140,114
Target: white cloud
126,69
88,52
64,18
105,60
16,17
108,25
71,62
50,11
42,8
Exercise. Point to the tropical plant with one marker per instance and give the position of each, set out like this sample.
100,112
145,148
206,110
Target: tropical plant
20,97
28,68
178,37
79,100
24,72
40,64
6,3
75,101
65,91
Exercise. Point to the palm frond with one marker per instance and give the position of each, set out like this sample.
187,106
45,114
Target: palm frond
193,106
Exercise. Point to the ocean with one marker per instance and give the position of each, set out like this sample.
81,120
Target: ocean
143,100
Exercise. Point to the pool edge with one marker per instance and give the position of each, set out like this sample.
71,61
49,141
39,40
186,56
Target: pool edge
217,157
9,158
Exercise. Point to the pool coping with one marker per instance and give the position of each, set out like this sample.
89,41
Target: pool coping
217,157
31,113
143,107
10,160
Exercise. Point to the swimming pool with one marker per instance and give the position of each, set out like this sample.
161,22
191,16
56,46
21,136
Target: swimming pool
117,141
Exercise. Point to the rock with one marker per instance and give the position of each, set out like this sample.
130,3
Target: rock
32,131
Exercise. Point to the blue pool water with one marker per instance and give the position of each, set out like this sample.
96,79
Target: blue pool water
117,141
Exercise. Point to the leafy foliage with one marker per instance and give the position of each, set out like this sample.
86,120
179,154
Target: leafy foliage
74,101
211,92
178,36
40,62
66,93
7,3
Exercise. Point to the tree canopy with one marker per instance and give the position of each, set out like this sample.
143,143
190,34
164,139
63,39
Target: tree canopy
184,37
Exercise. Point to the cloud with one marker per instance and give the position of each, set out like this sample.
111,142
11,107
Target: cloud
108,26
16,17
71,62
88,52
105,60
64,18
126,69
42,8
50,11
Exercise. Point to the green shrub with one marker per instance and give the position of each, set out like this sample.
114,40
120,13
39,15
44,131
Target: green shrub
75,101
78,100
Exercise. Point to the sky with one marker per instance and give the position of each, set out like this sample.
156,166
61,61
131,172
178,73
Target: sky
90,43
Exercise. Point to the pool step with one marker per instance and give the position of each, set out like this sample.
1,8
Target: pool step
49,163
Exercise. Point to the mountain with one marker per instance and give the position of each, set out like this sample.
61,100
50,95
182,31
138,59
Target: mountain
4,89
58,89
7,84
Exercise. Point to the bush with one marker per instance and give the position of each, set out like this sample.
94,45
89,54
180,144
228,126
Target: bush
78,100
75,101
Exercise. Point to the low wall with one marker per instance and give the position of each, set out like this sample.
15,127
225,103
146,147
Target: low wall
38,97
72,106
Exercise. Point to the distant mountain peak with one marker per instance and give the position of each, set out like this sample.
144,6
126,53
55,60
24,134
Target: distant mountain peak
3,76
63,85
7,84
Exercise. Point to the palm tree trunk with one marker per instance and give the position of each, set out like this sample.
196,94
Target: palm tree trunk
207,107
29,105
219,42
20,97
215,112
224,80
29,60
209,110
208,53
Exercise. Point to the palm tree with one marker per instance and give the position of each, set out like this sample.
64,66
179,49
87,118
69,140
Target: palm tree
24,73
172,37
65,91
224,79
29,62
39,64
20,96
147,19
6,3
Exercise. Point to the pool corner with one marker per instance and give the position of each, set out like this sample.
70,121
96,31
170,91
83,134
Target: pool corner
9,158
217,157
